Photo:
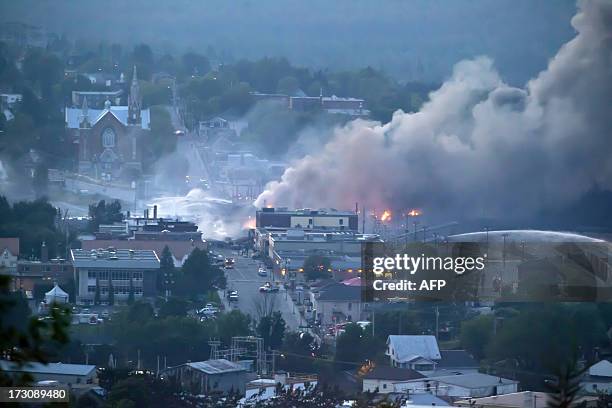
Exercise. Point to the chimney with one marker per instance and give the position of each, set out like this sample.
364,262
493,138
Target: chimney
155,211
44,252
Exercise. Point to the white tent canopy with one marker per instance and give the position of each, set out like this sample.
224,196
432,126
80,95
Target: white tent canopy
56,295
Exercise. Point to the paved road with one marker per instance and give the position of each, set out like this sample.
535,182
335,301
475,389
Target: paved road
244,278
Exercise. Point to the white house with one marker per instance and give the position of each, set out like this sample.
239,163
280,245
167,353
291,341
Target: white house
382,378
472,385
598,378
419,353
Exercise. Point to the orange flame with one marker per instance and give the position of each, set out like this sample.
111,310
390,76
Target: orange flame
386,216
249,224
414,212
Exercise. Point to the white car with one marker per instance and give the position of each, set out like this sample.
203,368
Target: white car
262,272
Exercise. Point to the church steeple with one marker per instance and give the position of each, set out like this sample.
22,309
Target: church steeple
84,122
134,101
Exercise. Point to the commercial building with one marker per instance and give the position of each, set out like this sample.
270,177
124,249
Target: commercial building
121,270
307,219
203,377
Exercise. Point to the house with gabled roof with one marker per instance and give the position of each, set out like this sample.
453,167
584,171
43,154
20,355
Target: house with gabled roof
417,352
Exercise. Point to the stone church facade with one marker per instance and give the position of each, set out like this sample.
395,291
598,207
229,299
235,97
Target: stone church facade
111,141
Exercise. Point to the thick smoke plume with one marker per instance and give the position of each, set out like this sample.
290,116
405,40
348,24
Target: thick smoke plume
478,146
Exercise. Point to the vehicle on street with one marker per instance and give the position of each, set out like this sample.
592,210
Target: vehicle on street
233,296
269,288
262,271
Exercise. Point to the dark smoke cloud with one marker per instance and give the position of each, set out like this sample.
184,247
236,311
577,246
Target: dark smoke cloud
479,146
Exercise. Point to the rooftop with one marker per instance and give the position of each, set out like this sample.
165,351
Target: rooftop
456,359
338,292
307,211
114,258
216,366
473,380
409,347
392,373
75,115
51,368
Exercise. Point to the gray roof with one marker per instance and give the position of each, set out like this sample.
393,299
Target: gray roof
456,359
117,258
216,366
339,292
74,116
392,373
409,347
51,368
473,380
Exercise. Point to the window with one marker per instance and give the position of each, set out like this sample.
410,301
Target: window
108,137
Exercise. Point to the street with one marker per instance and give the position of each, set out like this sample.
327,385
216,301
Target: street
244,278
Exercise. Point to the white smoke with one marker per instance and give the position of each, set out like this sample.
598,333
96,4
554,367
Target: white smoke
215,217
479,146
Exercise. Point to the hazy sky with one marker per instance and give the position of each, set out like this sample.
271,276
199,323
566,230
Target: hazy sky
411,39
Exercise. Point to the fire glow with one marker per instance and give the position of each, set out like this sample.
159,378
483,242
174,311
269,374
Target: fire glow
386,216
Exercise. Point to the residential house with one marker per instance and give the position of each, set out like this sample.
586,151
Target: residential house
203,377
336,303
418,352
381,378
598,378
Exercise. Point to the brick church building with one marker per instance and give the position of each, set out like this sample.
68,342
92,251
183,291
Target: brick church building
111,141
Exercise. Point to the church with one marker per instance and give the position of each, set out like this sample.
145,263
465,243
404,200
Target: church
111,141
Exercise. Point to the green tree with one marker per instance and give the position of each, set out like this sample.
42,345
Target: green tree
25,338
476,334
288,85
97,292
195,64
355,345
174,307
103,213
199,274
231,324
272,329
166,277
